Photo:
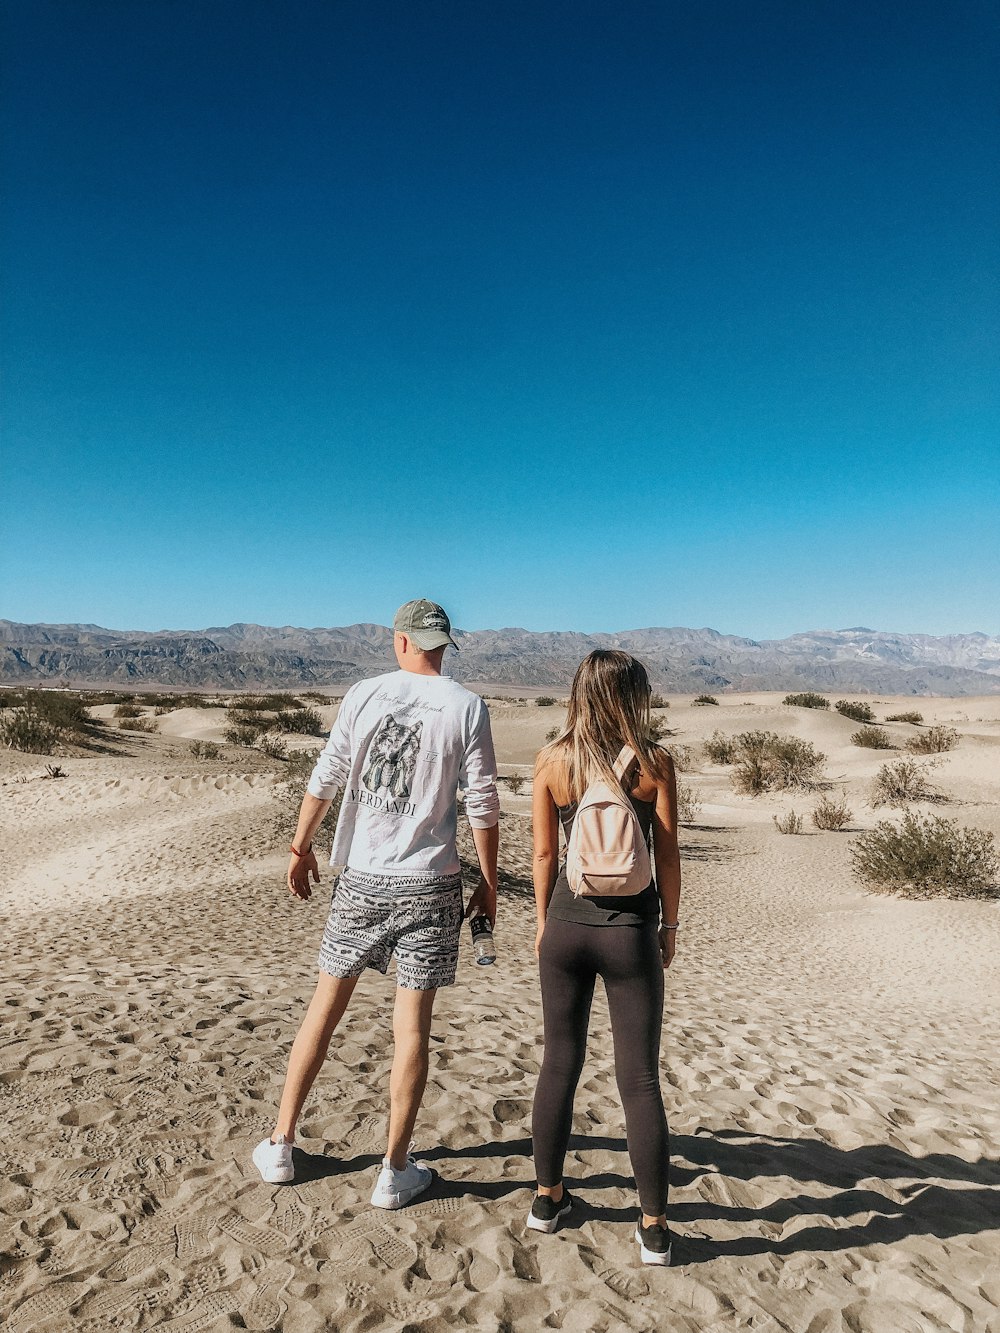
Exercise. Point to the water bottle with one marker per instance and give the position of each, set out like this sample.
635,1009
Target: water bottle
482,940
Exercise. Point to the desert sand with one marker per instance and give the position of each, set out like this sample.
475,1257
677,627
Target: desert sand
829,1068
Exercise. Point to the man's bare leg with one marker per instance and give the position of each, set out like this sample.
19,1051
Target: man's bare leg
326,1009
411,1029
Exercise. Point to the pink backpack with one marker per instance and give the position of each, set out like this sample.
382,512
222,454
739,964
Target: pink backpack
607,855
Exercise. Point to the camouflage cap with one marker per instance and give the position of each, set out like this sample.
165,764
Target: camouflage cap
424,622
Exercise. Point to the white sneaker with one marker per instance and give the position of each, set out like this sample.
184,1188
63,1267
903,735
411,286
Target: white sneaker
395,1189
274,1160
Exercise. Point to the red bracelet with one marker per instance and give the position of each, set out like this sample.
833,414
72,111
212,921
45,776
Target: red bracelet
295,851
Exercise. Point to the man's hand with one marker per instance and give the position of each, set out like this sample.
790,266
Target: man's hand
483,901
668,943
299,870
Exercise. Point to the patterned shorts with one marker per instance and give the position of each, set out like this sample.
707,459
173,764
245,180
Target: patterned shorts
416,919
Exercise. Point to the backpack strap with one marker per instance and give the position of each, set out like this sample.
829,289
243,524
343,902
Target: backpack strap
627,757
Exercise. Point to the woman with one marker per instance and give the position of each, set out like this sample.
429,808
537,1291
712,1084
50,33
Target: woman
627,941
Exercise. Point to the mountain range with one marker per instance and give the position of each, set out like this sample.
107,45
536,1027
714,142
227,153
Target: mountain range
246,656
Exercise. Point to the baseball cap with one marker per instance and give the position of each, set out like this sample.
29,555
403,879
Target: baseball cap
424,622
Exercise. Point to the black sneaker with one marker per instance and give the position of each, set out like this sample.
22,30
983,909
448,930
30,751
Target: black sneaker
654,1243
545,1212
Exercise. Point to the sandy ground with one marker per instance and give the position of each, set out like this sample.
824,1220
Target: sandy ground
828,1066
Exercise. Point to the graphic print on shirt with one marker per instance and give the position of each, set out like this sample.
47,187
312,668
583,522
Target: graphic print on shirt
392,757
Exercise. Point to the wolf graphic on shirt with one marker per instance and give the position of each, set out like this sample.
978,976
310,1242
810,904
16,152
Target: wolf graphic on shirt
392,757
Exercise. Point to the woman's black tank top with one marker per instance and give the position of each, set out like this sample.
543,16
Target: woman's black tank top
634,910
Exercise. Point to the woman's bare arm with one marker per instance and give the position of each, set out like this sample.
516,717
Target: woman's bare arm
667,858
545,829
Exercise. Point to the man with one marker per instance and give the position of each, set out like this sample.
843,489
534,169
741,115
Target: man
400,748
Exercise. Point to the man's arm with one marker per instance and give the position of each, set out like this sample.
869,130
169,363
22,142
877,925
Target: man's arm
478,779
333,767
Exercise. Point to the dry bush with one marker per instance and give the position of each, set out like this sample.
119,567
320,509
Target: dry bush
684,756
544,701
658,701
145,724
832,815
895,784
914,718
789,822
721,749
128,710
245,736
872,738
205,749
769,762
688,805
515,781
552,735
272,747
935,740
657,729
807,700
706,699
927,857
855,710
25,731
300,721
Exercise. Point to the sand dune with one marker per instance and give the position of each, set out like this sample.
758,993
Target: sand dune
828,1066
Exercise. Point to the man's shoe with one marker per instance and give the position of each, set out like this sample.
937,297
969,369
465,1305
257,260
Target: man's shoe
395,1189
654,1244
545,1212
274,1160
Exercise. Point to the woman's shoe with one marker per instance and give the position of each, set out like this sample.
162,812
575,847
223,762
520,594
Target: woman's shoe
654,1244
273,1159
545,1212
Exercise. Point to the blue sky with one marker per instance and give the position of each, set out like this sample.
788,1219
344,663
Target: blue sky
575,315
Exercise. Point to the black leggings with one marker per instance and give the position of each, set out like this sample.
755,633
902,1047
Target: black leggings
571,957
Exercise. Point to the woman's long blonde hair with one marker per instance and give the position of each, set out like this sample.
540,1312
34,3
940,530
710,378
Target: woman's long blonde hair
608,708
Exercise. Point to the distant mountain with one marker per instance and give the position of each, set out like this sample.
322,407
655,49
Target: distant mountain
252,656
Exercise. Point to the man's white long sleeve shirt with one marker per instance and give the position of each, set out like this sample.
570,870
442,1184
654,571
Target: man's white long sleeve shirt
401,748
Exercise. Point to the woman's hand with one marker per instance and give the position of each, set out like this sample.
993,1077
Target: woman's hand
299,870
538,937
668,944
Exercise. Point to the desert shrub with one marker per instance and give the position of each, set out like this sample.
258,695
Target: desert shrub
933,741
11,698
272,747
895,784
29,733
927,857
855,710
769,762
65,712
54,771
706,699
544,701
807,700
872,738
684,756
721,749
552,735
145,724
300,766
688,805
658,701
789,822
128,710
245,736
832,815
204,750
657,729
315,697
300,721
515,781
914,718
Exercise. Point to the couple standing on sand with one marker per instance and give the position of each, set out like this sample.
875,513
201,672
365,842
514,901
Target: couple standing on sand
401,747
